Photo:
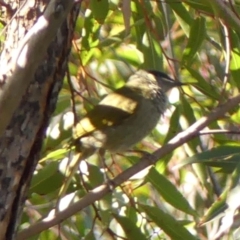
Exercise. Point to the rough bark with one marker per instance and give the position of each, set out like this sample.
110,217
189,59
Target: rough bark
21,142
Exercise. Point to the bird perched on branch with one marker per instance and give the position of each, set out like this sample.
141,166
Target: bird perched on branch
125,116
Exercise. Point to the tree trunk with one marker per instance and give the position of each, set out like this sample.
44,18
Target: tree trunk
21,142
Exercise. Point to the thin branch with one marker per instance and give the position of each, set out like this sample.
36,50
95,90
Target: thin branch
218,131
101,191
227,57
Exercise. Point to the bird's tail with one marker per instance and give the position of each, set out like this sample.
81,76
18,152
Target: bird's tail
72,168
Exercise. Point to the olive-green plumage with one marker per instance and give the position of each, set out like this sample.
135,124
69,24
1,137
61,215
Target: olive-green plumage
122,118
126,116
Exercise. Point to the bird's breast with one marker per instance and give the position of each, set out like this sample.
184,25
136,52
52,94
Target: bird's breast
133,129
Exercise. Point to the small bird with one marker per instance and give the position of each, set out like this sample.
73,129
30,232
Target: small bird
125,116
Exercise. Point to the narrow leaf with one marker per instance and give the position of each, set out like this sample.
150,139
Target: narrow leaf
168,224
196,37
131,230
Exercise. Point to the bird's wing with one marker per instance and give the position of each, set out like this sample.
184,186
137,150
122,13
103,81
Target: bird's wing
111,111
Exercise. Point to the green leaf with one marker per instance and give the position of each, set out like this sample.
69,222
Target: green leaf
55,155
217,208
189,114
95,176
235,58
181,11
203,86
228,200
196,37
169,192
90,236
146,41
47,179
168,224
225,157
174,127
99,9
131,230
200,6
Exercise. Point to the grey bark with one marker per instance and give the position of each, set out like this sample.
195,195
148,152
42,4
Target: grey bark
21,142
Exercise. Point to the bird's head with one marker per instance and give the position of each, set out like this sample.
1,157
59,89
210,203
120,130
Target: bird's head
164,81
152,79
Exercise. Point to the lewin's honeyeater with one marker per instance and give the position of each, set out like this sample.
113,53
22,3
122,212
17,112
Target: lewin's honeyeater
125,116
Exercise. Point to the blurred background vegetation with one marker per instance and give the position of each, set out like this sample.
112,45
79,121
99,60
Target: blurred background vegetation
192,193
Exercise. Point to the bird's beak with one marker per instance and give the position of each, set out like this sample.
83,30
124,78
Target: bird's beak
182,84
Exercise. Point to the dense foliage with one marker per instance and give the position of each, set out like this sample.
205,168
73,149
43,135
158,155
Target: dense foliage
193,41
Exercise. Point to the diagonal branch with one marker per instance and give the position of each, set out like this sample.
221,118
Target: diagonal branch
101,191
